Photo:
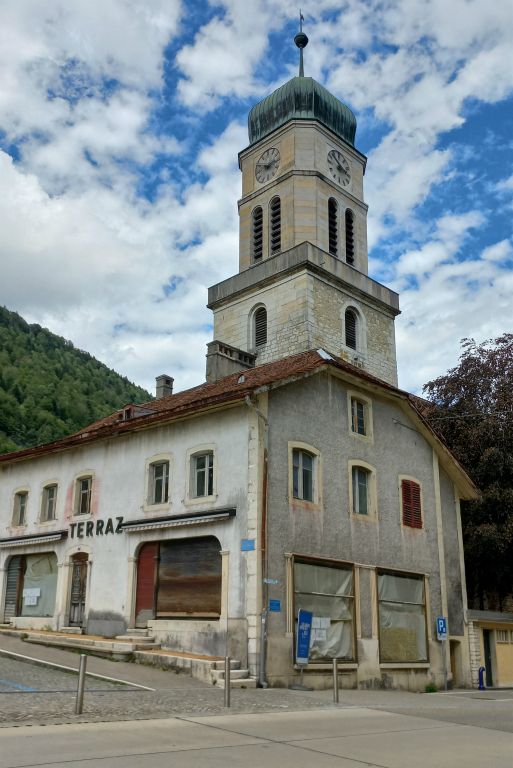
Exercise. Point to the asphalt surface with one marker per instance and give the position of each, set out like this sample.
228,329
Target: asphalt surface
31,694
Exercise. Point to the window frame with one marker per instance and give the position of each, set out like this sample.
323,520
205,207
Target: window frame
372,494
78,494
257,244
43,517
192,455
411,479
333,228
350,236
368,415
275,225
316,475
16,521
152,482
341,565
410,575
256,311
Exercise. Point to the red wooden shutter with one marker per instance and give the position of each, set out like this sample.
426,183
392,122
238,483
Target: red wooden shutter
412,509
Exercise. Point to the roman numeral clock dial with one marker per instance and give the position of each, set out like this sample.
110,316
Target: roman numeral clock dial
339,167
267,165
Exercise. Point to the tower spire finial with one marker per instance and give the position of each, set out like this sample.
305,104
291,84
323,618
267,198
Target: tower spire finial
301,41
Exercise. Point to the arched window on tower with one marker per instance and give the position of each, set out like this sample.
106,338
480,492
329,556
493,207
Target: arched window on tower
351,328
260,327
257,233
275,225
349,236
333,226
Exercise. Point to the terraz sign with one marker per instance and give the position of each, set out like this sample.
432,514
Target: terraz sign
88,528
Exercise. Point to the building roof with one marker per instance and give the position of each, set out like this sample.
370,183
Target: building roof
235,389
301,98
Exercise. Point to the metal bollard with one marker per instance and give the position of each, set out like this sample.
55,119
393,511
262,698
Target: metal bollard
335,680
81,683
227,683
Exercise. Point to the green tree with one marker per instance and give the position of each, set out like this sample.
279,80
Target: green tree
471,406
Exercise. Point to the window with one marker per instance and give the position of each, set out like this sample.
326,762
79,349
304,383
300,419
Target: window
358,416
333,226
328,592
402,618
203,474
19,515
411,504
257,230
83,495
49,503
351,328
275,225
189,578
361,488
504,636
349,236
303,475
260,322
159,482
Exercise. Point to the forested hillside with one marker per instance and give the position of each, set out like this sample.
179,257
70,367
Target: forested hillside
48,388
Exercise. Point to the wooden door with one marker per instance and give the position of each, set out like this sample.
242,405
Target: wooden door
78,590
146,583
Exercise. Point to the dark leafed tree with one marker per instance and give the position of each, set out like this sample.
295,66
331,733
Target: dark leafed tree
471,406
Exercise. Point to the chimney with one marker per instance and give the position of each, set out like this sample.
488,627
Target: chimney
164,386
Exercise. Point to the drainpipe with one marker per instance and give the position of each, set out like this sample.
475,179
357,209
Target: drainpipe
262,681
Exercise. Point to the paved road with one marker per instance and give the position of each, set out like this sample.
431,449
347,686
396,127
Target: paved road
177,721
345,738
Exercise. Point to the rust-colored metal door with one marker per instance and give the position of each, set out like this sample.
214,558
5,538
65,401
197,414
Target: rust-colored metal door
146,583
14,583
78,590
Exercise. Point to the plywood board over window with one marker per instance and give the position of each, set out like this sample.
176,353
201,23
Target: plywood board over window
189,578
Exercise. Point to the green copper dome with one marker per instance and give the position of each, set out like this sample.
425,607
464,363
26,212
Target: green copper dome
302,98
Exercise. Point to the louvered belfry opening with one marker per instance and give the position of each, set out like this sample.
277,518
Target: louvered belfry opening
260,327
349,237
333,226
350,323
275,225
412,506
258,234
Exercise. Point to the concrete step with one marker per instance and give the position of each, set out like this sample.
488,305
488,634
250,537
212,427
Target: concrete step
136,638
247,682
72,630
235,674
234,664
119,651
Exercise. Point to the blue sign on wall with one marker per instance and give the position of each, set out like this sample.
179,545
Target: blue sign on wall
304,632
441,628
247,545
275,605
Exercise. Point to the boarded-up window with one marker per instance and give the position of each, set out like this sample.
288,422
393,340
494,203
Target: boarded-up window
257,233
260,327
349,237
333,226
360,479
402,618
275,225
328,592
411,502
189,578
350,323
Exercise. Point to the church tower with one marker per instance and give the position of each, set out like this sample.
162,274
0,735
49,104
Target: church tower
303,264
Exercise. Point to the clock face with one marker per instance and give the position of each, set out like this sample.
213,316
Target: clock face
339,167
267,165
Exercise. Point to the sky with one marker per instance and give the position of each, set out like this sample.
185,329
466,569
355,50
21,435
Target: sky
120,124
